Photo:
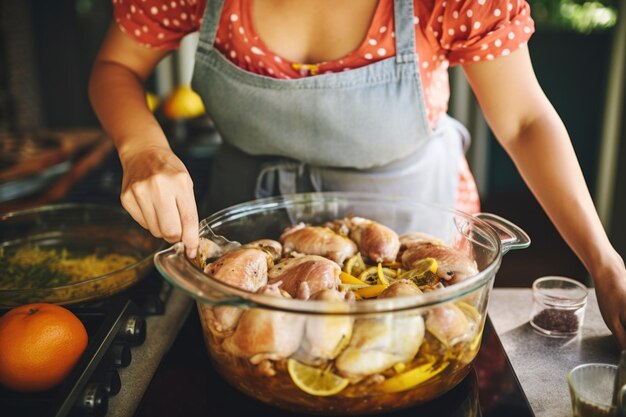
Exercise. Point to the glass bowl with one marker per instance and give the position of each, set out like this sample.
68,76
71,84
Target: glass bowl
337,357
118,249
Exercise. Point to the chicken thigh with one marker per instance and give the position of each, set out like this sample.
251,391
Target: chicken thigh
380,343
375,241
325,336
305,276
316,240
265,334
244,268
449,324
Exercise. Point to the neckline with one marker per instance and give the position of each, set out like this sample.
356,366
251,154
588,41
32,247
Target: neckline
246,10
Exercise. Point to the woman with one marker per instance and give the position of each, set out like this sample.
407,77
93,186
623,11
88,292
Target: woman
350,95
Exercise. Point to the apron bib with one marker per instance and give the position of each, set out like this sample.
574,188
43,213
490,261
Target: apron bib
359,130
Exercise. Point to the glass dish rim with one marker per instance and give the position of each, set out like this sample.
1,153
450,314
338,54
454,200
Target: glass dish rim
245,299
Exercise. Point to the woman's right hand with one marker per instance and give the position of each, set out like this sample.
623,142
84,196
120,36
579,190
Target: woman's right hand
157,192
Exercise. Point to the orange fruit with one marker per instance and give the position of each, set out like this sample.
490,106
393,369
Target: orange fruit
39,346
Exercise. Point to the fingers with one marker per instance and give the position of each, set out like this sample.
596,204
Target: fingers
148,211
189,222
166,210
130,205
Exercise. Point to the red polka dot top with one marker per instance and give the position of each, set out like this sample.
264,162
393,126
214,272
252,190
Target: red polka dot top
447,33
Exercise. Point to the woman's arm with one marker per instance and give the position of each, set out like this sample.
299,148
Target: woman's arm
157,190
531,132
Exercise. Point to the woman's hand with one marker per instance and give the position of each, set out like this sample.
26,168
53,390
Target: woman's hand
157,191
611,294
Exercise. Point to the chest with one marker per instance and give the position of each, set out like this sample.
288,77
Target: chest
312,31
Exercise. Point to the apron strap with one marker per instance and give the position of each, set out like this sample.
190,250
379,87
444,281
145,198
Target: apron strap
405,31
210,21
287,177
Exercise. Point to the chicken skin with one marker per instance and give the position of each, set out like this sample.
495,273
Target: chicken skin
265,334
304,276
325,336
380,343
317,240
272,247
449,324
244,268
375,241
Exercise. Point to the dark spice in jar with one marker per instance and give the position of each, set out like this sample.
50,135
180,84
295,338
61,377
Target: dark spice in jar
565,321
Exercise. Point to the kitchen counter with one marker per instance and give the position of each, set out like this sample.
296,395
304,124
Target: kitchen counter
542,363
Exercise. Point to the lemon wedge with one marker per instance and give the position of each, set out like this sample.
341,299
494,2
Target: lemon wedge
349,279
425,265
355,265
315,381
370,291
423,272
411,378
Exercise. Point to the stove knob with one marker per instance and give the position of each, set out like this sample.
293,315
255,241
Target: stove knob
109,379
118,355
93,402
133,331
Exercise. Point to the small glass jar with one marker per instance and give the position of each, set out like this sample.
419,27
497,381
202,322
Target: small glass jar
558,306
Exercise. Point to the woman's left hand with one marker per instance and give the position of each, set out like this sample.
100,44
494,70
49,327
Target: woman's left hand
611,295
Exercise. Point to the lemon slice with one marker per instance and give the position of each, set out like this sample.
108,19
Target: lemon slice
350,279
355,265
423,272
412,378
469,310
370,291
315,381
424,265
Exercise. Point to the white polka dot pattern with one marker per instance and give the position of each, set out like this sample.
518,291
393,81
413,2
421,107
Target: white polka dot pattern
447,33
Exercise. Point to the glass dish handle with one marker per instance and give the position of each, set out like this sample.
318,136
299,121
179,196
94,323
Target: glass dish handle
511,235
173,265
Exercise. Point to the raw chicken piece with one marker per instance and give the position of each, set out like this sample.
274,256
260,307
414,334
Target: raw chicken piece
207,249
274,248
305,276
265,334
245,268
375,241
380,343
221,320
453,265
413,238
449,324
325,337
316,240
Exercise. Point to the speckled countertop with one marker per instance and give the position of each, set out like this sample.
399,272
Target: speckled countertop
542,363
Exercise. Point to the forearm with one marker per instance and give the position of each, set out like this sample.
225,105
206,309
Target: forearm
546,160
118,98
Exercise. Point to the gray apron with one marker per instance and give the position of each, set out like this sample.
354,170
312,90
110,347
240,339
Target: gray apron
359,130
